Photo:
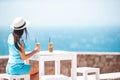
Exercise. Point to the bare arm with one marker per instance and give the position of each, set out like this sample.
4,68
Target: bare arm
26,56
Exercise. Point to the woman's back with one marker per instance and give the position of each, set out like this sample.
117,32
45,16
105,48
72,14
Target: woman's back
14,55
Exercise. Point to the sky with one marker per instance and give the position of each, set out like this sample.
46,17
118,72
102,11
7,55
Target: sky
62,12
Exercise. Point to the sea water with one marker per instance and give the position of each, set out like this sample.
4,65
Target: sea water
80,39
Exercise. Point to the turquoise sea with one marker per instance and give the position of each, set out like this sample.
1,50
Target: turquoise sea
80,39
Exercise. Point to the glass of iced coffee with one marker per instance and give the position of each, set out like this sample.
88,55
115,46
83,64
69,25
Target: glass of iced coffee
38,45
50,47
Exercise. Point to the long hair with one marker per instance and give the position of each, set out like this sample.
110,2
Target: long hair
17,35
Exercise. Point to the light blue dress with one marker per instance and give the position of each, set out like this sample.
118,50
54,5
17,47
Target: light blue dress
15,64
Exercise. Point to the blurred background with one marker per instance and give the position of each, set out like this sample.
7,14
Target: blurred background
72,25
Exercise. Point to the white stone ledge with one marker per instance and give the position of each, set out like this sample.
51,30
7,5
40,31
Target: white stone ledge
4,57
79,53
99,53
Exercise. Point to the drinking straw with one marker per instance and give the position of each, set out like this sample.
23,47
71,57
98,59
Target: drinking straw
49,39
35,40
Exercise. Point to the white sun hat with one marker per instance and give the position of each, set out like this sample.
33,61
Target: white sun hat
19,23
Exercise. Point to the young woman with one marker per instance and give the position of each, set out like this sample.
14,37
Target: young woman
17,46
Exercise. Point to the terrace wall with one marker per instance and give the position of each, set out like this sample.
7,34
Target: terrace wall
106,62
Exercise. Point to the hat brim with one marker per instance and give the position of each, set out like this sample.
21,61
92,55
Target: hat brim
13,26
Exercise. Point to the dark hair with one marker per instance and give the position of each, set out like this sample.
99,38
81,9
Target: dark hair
17,35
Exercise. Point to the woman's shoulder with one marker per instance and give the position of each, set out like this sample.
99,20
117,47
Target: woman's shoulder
10,39
10,35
